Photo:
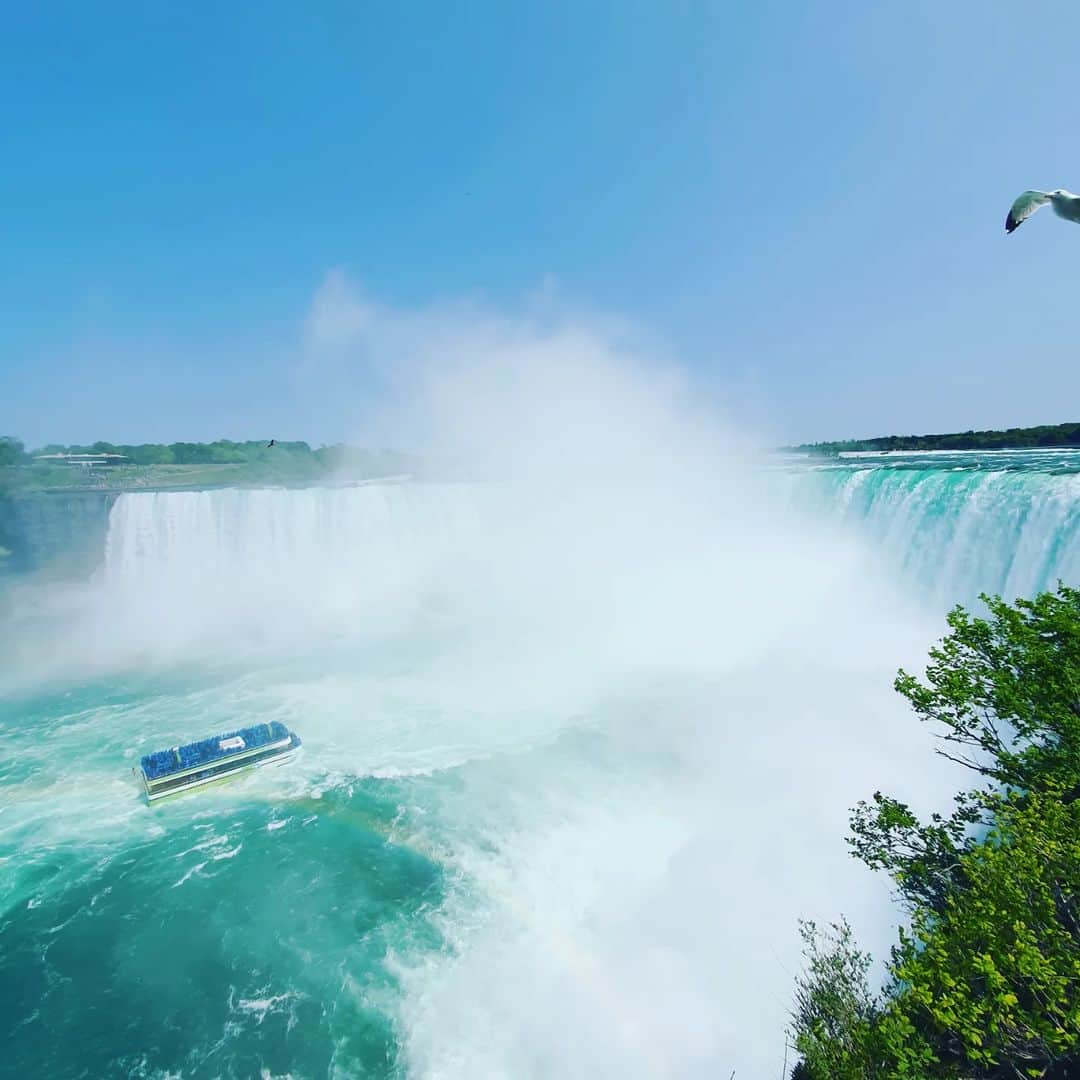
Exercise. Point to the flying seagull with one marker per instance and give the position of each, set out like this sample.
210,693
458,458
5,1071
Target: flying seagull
1066,205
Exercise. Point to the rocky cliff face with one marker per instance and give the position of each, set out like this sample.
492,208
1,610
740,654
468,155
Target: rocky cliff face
62,533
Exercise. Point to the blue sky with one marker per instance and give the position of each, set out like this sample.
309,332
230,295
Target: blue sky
804,203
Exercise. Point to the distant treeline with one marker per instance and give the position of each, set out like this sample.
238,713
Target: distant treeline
160,464
222,452
258,457
1048,435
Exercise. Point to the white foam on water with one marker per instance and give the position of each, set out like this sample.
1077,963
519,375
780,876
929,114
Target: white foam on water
196,869
958,532
261,1007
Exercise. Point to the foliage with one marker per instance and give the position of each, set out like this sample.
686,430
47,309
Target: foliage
1004,695
835,1012
159,465
12,451
986,981
994,977
1045,436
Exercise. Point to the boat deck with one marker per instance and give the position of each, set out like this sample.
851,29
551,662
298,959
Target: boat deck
168,772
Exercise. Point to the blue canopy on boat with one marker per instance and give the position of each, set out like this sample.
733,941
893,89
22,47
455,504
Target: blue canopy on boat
214,748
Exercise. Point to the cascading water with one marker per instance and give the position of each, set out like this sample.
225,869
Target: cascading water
286,563
966,525
205,533
954,530
575,761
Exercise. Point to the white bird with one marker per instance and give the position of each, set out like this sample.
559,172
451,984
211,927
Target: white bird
1066,205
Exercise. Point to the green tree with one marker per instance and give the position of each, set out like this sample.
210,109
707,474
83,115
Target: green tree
148,454
1003,693
12,451
836,1016
993,979
986,981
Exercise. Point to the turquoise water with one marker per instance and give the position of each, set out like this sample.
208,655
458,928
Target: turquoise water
267,926
180,941
568,778
959,524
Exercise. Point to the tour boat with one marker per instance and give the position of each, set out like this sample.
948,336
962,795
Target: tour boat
168,772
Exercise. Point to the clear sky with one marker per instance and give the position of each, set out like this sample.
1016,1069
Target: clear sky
804,202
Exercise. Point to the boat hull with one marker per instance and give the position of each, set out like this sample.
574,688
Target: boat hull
160,785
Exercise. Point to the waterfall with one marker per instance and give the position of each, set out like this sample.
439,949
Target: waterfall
531,714
949,533
280,564
957,532
200,535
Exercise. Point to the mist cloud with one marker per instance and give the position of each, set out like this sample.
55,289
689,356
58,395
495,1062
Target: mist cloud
656,685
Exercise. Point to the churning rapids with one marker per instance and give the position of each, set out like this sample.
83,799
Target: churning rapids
577,756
